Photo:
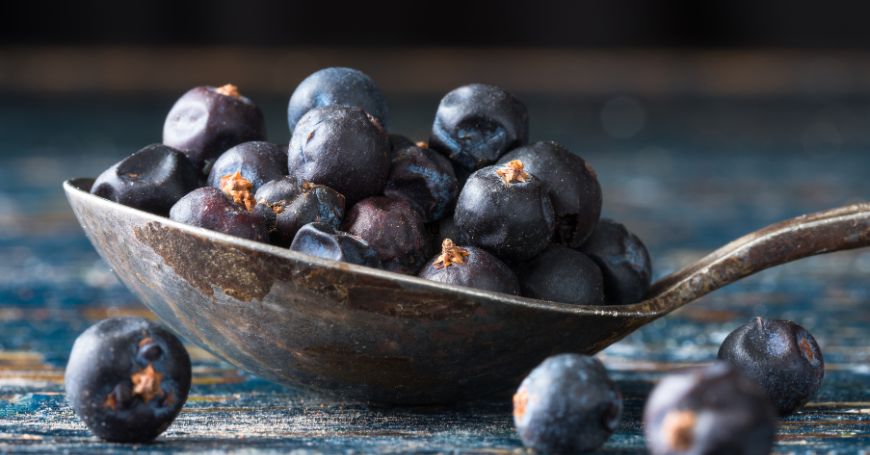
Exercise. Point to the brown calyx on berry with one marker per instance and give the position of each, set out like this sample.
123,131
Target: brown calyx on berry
450,254
276,207
513,172
807,349
521,398
229,90
111,401
679,429
239,190
146,383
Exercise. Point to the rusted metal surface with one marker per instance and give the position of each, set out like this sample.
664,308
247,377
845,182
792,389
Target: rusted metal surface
365,334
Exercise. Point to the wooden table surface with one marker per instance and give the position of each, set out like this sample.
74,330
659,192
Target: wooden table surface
686,174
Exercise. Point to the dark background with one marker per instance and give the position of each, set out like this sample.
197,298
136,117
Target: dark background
607,24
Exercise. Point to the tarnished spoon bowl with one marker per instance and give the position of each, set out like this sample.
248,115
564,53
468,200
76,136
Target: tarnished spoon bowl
366,334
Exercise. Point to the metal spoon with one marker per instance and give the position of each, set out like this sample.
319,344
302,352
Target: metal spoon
366,334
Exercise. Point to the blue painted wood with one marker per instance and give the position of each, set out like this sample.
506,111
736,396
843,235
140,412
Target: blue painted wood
696,174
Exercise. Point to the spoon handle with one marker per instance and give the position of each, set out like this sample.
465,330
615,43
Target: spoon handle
837,229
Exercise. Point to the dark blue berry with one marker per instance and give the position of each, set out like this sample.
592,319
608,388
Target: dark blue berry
711,410
472,267
394,229
507,211
210,208
476,124
567,404
573,187
289,204
560,274
336,87
151,179
343,148
462,175
623,259
324,241
423,178
257,161
781,356
127,379
446,229
206,121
